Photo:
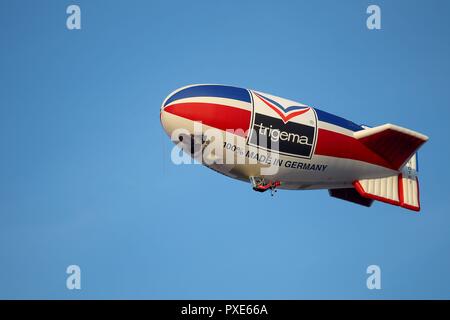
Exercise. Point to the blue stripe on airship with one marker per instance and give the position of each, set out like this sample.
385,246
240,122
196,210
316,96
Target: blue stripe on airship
211,90
338,121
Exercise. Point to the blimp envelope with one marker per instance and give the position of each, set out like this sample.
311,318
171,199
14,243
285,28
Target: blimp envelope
310,148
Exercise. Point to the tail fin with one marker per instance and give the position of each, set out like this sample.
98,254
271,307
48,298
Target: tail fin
409,185
350,194
393,143
400,190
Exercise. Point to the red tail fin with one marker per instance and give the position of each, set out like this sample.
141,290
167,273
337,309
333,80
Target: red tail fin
393,143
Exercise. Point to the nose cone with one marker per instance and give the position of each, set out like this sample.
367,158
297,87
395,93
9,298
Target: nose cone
217,106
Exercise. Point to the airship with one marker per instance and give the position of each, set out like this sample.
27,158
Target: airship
276,143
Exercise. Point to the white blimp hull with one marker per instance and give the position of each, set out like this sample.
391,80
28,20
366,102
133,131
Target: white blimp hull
276,143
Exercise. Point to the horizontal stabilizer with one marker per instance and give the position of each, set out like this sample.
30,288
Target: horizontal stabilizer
381,189
393,143
400,190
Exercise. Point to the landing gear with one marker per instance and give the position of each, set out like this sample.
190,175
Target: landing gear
260,185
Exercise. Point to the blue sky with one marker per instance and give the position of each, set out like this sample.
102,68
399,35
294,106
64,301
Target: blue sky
85,169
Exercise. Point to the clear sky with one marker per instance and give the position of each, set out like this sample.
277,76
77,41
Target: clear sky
85,170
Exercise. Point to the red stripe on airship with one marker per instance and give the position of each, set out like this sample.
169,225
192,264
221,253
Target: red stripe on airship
223,117
333,144
214,115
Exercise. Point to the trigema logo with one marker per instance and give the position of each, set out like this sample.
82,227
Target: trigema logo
280,134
